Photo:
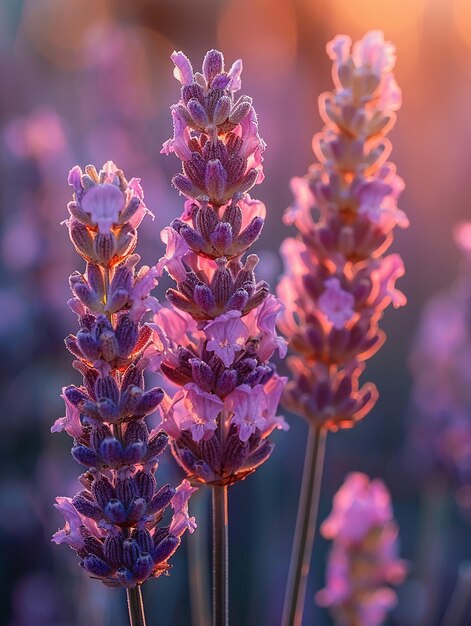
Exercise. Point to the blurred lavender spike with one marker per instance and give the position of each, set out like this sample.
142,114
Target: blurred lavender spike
337,281
362,563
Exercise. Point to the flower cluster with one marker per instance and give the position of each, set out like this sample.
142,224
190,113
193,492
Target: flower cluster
114,523
337,281
363,558
440,430
215,136
216,340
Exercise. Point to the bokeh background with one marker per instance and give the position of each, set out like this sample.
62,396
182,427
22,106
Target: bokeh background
89,80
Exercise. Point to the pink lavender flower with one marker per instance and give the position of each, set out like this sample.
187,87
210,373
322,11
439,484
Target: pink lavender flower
337,281
263,322
363,559
246,405
114,523
197,411
76,525
181,520
216,341
359,505
209,394
440,428
71,421
336,304
226,335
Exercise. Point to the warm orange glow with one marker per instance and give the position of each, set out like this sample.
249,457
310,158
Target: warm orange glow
268,36
400,20
462,14
56,28
394,17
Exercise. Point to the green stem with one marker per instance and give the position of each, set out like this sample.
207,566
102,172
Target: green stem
135,606
305,528
198,565
220,557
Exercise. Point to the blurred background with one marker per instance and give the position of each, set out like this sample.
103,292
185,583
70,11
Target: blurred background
85,81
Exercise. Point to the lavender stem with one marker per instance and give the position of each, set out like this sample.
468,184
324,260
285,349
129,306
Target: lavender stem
198,565
135,606
305,527
220,557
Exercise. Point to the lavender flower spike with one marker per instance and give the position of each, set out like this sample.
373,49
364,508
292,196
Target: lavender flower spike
362,562
440,428
115,523
216,340
338,279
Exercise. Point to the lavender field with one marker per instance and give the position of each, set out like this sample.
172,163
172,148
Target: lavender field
215,203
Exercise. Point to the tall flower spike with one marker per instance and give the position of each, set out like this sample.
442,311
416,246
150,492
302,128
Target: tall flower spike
337,279
115,523
439,441
216,340
363,562
437,451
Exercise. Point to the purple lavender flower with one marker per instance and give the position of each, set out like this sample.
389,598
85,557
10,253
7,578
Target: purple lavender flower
337,281
216,341
115,524
363,561
439,439
215,136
